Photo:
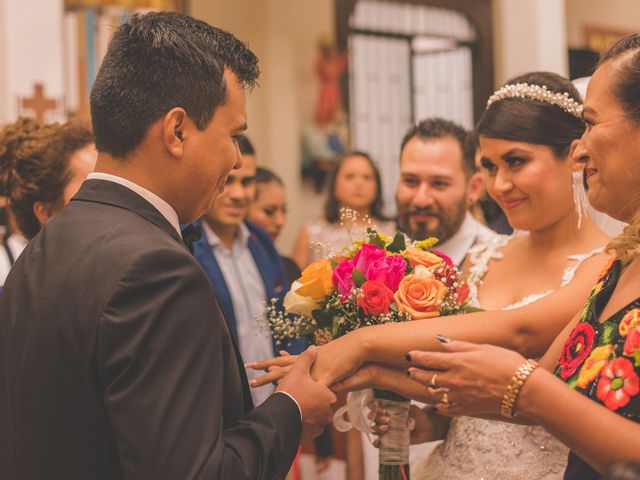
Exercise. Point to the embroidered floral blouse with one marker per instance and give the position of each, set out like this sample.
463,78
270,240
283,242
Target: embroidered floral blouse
602,359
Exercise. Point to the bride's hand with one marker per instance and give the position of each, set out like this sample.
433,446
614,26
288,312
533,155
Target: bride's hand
470,378
275,368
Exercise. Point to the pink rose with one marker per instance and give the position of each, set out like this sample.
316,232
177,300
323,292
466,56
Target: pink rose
388,270
366,256
632,343
342,277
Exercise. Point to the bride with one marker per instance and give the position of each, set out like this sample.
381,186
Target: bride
526,145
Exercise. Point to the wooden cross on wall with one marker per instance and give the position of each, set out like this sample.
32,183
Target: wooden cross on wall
39,104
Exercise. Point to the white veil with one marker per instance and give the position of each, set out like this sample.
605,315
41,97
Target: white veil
607,224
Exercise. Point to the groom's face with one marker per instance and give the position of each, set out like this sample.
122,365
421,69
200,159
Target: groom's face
211,154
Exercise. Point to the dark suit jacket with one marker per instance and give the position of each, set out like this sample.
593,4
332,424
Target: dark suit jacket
270,266
116,361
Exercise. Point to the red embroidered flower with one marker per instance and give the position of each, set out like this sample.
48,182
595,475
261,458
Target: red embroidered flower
632,345
577,347
376,298
618,383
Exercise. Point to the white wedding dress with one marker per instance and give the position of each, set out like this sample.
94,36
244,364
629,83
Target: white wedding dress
493,450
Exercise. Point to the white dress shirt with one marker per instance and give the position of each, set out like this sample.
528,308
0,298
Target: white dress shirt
248,296
470,232
16,244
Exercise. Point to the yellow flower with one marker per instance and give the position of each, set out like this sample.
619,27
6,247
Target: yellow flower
316,280
593,365
426,243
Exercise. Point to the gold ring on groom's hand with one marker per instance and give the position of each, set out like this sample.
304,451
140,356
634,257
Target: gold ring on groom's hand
445,398
432,383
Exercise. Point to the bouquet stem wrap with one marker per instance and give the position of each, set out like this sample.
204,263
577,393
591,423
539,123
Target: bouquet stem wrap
394,444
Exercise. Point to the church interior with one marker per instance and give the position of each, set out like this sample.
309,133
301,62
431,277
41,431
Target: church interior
336,75
47,56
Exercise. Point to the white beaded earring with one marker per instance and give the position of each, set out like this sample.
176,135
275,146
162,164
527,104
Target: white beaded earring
579,196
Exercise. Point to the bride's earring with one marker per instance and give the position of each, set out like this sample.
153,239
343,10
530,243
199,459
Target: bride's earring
579,196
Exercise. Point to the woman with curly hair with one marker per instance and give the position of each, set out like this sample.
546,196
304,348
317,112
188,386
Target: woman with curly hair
41,168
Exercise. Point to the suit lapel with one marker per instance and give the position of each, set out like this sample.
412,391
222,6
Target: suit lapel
116,195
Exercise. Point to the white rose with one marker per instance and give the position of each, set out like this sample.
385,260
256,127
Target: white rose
422,271
299,304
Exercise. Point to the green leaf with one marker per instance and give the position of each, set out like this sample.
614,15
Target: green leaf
398,244
573,382
471,309
608,333
358,277
374,238
393,307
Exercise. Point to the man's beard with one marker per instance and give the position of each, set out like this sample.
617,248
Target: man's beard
448,224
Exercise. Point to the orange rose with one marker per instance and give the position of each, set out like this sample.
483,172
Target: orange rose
420,296
417,256
316,280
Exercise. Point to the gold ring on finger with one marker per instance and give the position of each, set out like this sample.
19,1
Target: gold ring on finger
445,398
432,383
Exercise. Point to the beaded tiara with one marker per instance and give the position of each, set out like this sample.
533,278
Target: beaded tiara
540,93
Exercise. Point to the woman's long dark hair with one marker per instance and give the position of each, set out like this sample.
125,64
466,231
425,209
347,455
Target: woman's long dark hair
332,207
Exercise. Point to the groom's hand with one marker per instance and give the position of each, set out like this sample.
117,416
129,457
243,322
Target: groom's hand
314,399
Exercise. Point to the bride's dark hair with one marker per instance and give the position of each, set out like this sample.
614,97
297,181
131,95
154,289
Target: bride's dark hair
534,121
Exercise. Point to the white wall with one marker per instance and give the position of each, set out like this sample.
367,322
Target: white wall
4,71
30,52
614,14
529,35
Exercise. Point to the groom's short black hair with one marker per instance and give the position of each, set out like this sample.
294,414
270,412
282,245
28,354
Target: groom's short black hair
158,61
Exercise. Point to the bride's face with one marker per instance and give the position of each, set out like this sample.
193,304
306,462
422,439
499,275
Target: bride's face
610,147
531,185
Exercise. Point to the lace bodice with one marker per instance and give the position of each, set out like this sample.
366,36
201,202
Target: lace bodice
491,450
481,254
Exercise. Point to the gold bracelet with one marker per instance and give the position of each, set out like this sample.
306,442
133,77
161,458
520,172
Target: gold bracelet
513,389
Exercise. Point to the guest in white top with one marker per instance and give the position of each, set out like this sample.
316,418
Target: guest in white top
354,183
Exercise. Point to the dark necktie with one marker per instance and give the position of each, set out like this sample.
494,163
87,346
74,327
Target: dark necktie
191,233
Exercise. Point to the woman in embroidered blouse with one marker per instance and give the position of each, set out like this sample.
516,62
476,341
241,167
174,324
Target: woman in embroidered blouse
596,354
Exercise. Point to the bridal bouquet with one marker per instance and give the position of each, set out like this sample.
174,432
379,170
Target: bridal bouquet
373,281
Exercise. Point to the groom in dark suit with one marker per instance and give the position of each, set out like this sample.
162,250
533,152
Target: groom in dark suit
115,359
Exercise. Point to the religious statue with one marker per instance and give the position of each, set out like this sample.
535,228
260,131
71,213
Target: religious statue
324,139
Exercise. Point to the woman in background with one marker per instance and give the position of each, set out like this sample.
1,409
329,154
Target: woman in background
269,211
41,168
355,184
